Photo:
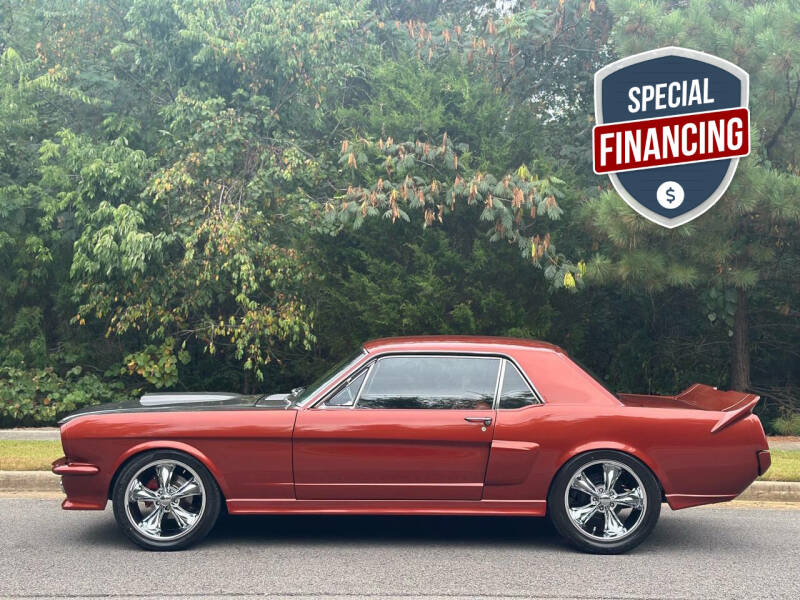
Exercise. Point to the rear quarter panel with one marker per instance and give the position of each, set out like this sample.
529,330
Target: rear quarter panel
693,465
676,445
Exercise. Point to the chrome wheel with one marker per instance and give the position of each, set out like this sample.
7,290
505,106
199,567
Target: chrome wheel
605,500
165,500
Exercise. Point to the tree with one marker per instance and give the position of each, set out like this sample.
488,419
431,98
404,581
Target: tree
733,254
192,241
30,253
229,195
502,55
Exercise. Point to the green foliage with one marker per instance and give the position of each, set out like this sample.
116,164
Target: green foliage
428,178
403,281
735,254
231,195
41,396
455,120
787,425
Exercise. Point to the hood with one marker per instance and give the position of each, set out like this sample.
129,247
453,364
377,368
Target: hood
185,402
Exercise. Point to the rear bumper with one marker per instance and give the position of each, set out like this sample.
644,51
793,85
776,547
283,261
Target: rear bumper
82,483
679,501
764,461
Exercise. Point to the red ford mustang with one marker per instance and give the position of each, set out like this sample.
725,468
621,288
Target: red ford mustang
427,425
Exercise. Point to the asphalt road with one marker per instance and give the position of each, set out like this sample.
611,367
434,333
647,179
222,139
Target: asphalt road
696,553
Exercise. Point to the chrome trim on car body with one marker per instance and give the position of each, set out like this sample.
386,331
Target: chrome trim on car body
539,398
363,383
230,402
499,388
342,385
333,381
172,399
526,381
373,360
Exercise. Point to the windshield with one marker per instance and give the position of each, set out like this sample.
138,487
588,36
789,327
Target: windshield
323,380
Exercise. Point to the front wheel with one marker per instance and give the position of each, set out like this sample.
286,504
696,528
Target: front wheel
605,502
165,500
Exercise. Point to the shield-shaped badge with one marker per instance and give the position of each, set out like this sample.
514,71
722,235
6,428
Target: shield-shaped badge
671,126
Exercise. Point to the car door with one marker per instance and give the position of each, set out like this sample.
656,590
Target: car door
405,427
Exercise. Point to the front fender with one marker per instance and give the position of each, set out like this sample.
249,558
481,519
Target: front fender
170,445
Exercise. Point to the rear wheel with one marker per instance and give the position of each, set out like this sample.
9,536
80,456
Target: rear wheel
605,502
165,500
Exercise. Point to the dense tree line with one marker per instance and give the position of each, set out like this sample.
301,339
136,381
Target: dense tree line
233,194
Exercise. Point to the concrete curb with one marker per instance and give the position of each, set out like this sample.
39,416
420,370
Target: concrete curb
30,433
44,481
772,491
28,481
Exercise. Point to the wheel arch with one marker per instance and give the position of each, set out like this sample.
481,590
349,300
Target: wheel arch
614,446
149,446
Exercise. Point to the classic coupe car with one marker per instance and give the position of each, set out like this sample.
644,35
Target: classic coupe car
422,426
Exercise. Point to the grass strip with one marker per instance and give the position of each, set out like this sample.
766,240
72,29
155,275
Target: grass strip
785,466
29,455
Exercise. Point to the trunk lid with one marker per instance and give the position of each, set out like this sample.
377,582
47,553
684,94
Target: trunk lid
734,405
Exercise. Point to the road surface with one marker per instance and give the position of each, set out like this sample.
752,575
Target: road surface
696,553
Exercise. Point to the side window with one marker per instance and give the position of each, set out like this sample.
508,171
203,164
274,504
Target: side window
346,397
515,392
443,382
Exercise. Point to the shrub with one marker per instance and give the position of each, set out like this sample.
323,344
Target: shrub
787,425
38,397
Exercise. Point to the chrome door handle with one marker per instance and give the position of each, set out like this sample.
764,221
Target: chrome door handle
485,420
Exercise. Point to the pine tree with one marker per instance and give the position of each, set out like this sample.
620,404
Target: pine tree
749,239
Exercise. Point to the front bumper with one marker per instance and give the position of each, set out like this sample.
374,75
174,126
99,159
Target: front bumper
63,466
81,483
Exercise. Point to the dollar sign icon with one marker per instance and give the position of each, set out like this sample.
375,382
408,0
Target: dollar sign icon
670,194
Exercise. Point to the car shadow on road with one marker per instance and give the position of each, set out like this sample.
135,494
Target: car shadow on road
338,529
671,536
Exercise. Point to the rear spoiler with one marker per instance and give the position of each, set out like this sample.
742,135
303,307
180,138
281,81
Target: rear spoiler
735,405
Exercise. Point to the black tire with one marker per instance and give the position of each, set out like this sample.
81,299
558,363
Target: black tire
639,521
206,504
